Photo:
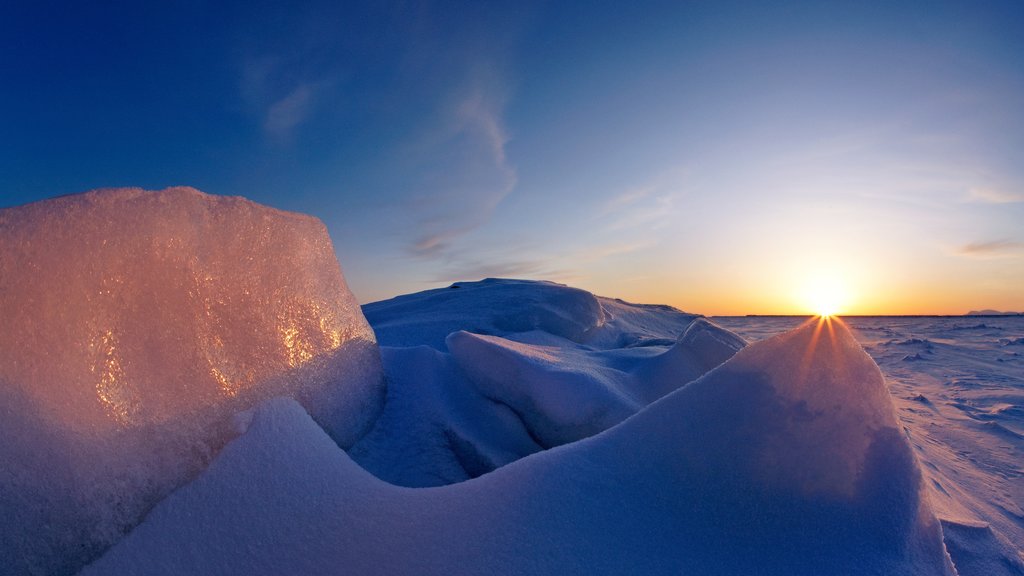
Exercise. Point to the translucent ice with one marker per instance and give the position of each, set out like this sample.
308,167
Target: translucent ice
135,324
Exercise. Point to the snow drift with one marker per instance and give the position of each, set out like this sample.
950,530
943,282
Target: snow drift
476,383
786,459
565,393
136,324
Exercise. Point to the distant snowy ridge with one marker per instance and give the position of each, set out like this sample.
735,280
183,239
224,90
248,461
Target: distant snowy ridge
786,459
497,306
135,325
992,313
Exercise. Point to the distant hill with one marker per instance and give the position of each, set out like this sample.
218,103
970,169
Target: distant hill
993,313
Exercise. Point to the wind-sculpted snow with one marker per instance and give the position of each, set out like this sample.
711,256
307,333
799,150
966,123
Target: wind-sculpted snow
786,459
135,325
962,407
492,390
566,393
500,307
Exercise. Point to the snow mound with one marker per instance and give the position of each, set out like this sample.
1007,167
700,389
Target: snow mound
559,398
491,306
976,549
500,307
564,393
470,391
701,348
135,324
787,459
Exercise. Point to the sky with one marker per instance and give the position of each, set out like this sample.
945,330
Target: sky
721,157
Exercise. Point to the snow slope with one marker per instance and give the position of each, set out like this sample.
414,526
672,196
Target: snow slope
786,459
958,386
136,324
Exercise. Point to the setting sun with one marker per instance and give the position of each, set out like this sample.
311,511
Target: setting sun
824,295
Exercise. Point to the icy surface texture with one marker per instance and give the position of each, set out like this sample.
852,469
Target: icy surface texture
786,460
135,324
523,366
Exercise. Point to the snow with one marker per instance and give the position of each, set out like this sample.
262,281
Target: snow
136,324
786,459
566,393
187,386
500,307
963,410
470,403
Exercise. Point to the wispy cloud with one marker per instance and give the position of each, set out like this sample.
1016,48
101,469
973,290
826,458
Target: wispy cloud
649,206
472,174
994,196
652,215
627,198
528,262
476,270
609,250
992,249
287,113
280,94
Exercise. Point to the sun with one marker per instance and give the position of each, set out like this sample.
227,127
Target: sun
824,295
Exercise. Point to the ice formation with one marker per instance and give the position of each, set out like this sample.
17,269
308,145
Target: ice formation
136,324
786,459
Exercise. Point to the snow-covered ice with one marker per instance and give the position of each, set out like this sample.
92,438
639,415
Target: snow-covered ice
135,325
787,459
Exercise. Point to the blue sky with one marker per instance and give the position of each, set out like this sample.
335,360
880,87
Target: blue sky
716,156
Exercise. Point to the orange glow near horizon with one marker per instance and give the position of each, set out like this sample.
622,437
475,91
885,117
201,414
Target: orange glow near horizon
824,294
807,291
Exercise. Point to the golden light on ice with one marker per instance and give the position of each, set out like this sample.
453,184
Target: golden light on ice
824,294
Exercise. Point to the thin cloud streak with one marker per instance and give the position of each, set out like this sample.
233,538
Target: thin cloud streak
469,271
992,249
288,113
993,196
602,252
649,206
628,198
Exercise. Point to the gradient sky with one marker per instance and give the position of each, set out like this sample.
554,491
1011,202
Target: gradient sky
715,156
